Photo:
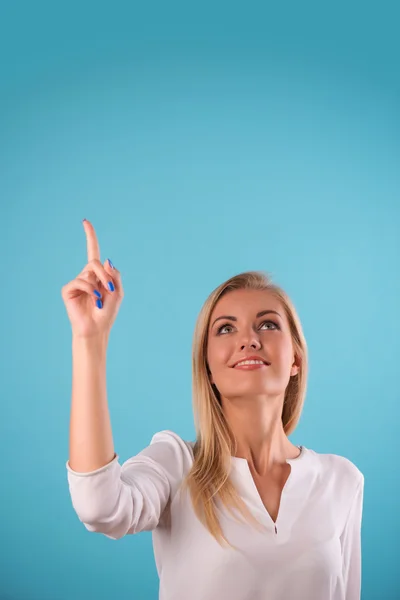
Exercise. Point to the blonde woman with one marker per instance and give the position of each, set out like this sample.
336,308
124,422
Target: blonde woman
241,513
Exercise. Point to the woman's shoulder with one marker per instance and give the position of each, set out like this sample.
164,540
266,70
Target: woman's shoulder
172,438
168,448
338,468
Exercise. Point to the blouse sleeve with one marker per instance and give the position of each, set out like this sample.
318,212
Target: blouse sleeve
117,500
351,546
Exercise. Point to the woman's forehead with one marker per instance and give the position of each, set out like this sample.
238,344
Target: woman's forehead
245,301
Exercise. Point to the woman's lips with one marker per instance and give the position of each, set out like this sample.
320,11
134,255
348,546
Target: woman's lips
251,367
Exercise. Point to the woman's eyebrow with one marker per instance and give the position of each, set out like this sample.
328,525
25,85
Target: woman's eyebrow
260,314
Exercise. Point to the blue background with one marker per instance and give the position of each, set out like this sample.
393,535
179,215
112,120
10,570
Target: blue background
201,141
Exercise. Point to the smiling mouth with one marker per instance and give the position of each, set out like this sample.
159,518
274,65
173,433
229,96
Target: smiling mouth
251,364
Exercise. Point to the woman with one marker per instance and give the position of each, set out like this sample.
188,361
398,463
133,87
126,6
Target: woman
242,513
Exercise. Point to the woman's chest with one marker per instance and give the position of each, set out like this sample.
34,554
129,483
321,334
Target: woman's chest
270,490
305,549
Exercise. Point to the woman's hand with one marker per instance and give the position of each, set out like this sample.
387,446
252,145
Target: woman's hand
93,298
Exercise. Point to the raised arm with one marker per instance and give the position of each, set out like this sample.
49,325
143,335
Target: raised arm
92,301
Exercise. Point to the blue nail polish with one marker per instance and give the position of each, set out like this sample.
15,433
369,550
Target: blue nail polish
110,263
99,304
97,293
111,286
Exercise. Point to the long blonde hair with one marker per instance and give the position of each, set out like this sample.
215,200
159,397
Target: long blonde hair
208,478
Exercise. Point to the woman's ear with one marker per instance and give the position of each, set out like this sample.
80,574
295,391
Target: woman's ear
295,366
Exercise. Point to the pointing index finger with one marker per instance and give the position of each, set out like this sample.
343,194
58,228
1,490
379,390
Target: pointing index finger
93,248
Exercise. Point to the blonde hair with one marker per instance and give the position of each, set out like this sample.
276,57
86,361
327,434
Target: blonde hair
208,479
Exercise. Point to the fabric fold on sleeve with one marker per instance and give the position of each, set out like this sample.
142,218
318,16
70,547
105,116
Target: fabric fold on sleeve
125,499
351,545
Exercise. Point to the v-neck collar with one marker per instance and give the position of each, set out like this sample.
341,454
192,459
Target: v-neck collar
243,478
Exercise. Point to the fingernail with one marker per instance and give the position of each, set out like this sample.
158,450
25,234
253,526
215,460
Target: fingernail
83,220
97,293
99,304
110,263
111,286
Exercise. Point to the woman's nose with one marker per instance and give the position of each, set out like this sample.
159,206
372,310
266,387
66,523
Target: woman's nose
254,343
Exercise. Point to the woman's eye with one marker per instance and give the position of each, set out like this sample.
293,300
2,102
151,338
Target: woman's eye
223,327
272,322
263,323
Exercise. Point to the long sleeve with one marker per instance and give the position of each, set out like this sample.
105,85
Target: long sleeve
351,546
117,500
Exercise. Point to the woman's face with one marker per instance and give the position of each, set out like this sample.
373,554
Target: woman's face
244,332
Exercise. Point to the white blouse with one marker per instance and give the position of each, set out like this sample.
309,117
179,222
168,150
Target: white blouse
312,552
